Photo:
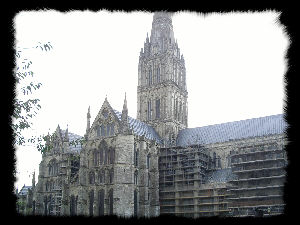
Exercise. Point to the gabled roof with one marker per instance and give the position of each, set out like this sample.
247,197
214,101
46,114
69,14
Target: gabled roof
140,128
223,132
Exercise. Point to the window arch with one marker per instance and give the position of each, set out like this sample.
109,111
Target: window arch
92,177
136,156
101,177
111,201
91,203
148,160
135,178
135,200
101,202
150,76
111,176
112,155
158,74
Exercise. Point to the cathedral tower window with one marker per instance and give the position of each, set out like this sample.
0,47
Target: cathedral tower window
149,110
111,176
148,180
135,178
135,200
150,76
136,156
158,74
148,161
157,108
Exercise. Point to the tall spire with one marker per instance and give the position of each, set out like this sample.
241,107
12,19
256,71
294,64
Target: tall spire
33,180
88,117
66,138
162,30
124,118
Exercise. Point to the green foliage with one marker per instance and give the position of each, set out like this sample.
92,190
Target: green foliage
24,110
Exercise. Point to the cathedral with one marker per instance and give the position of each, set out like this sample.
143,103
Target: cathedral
155,164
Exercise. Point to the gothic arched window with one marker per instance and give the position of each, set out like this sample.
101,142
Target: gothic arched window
101,202
92,177
112,156
158,74
101,176
148,161
111,201
111,176
98,131
157,108
136,156
101,156
150,76
149,110
135,200
91,201
112,130
135,178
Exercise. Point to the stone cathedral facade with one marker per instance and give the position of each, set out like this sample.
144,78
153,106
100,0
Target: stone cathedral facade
155,164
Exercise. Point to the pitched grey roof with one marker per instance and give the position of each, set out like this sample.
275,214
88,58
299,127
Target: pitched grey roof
232,130
140,128
219,176
24,190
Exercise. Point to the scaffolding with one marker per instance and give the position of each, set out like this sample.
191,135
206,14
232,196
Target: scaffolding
260,172
181,174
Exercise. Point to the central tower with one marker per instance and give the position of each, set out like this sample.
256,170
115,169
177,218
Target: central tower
161,91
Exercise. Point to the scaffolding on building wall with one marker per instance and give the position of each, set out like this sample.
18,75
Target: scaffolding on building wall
260,171
182,171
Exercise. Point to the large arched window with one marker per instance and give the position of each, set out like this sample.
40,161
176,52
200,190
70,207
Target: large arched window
103,148
158,75
148,161
157,108
111,176
136,156
53,168
91,203
101,156
72,205
101,177
111,201
91,177
112,156
150,76
101,202
135,178
135,200
96,158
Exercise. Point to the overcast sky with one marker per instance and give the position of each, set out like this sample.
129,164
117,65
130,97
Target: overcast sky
234,66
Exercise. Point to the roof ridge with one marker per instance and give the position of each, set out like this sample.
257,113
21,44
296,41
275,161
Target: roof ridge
235,121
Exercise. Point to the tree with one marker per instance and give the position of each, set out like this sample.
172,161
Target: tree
25,107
